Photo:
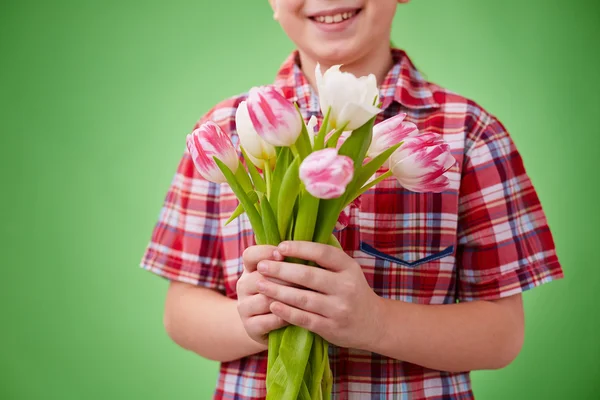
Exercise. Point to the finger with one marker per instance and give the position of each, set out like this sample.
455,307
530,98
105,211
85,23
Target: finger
306,300
254,305
304,319
263,324
326,256
297,274
253,254
246,285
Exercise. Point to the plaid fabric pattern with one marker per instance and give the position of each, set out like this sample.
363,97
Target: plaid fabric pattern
484,238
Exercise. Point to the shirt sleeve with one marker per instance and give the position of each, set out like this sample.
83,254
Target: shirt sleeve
186,243
504,243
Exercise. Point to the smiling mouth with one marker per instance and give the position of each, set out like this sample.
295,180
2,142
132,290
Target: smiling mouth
336,18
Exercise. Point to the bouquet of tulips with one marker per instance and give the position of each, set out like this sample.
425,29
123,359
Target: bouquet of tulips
308,179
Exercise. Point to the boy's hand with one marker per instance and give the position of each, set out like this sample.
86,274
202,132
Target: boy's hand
339,304
253,307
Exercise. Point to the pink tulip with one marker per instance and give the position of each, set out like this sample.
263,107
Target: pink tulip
326,174
210,141
389,133
344,218
420,163
275,119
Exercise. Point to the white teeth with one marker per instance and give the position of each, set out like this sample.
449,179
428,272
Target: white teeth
334,19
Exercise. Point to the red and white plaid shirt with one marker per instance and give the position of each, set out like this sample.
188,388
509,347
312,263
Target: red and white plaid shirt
484,238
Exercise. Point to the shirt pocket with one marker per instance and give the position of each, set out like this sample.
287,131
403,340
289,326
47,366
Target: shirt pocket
407,261
406,246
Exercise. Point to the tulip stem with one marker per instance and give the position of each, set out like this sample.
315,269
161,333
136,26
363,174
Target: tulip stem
268,177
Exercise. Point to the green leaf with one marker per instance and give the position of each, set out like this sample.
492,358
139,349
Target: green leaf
253,215
281,167
303,142
320,139
286,377
332,141
307,216
273,351
270,223
243,178
240,209
290,187
358,143
374,182
366,172
258,180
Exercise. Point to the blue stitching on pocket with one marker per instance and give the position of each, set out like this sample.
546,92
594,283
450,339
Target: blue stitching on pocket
367,248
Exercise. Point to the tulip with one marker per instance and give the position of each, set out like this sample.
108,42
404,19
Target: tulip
326,174
344,218
311,128
389,133
420,163
257,150
274,118
351,99
210,141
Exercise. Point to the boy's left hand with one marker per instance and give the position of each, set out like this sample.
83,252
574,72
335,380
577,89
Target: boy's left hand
334,301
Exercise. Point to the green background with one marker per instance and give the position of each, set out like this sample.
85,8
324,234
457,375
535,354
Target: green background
96,98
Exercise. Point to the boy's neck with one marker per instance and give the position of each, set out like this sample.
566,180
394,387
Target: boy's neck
376,64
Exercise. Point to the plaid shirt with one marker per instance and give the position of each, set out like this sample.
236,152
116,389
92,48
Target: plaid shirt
484,238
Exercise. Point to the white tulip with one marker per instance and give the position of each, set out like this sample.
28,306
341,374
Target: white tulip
257,149
352,100
311,128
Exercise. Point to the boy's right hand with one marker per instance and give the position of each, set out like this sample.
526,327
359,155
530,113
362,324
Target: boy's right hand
252,306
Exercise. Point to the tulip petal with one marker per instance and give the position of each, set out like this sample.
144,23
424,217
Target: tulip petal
339,89
274,118
205,143
254,145
326,174
357,114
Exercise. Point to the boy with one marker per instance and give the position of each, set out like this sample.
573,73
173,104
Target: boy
428,285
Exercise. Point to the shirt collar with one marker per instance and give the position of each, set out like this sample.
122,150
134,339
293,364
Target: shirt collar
403,84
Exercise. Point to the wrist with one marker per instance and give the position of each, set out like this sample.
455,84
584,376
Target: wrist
378,324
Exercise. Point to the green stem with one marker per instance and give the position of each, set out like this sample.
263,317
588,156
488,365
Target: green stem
267,170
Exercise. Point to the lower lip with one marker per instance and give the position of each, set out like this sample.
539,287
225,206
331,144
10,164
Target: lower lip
336,27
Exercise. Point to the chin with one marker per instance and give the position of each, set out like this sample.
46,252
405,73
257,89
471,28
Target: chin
338,53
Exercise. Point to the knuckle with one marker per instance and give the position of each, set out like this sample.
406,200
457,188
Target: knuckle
349,287
305,321
247,254
307,275
302,300
323,252
342,311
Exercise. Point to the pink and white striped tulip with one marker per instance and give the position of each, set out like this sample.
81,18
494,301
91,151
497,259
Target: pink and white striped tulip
256,148
389,133
274,118
326,174
420,163
344,218
210,141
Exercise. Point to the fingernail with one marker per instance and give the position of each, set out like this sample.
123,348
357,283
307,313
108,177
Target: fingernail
282,247
262,267
261,286
277,255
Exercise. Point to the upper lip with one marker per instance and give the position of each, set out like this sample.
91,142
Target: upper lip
333,11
